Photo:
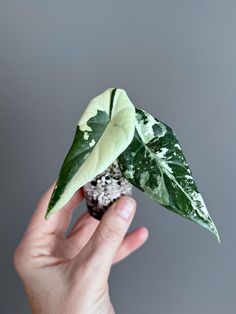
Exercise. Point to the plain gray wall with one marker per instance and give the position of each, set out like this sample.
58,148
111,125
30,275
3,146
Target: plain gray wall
177,60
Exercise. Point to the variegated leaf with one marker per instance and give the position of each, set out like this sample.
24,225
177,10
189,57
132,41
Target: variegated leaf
104,131
154,163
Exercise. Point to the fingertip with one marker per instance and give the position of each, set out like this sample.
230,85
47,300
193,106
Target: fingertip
143,233
125,207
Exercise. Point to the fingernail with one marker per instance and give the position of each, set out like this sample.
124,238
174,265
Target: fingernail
125,207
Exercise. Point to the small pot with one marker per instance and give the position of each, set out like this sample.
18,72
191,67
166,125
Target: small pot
105,189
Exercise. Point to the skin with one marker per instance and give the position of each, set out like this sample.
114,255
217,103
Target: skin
69,274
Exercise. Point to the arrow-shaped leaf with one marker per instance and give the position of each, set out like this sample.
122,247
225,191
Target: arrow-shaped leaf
154,162
104,131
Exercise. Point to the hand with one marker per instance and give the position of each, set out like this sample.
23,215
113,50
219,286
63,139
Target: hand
69,274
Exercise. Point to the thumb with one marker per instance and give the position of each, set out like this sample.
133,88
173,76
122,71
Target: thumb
105,241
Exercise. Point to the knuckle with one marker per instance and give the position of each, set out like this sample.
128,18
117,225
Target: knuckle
109,234
17,259
20,259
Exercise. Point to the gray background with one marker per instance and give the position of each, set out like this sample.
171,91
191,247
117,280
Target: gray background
177,60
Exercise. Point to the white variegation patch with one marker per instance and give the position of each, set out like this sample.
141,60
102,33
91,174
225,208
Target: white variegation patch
145,127
144,178
86,135
92,143
159,192
130,173
162,152
114,140
177,146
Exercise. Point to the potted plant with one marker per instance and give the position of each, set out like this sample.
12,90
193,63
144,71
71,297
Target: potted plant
116,146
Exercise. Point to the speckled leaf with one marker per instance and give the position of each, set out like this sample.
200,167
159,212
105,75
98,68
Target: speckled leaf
104,131
154,163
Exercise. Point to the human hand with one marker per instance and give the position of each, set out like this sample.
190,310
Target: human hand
69,274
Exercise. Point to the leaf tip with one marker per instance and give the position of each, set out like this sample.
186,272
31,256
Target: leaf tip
215,232
217,236
48,214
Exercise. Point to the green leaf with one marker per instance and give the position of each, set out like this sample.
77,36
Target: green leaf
104,131
154,163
